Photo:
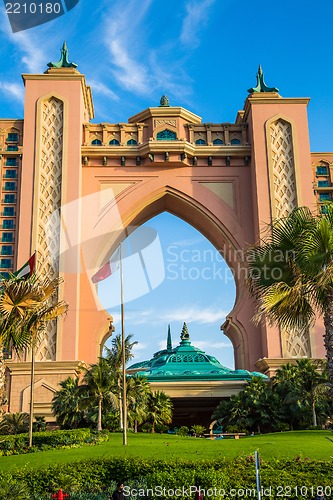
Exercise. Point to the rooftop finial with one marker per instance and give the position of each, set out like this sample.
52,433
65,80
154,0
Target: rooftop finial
185,335
261,85
63,63
169,341
164,101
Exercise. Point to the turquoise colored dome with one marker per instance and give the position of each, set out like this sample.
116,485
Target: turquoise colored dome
186,362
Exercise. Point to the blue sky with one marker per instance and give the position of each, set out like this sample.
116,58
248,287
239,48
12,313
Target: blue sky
204,55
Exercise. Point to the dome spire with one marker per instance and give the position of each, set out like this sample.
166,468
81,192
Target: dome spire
64,62
185,335
169,341
261,85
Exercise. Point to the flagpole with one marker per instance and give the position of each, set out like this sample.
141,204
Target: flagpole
123,351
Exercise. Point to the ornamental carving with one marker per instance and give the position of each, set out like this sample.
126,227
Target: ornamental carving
165,122
49,200
296,343
284,196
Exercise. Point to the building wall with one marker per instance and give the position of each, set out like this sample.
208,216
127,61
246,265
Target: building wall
227,180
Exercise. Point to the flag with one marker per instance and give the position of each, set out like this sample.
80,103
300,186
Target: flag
109,268
27,269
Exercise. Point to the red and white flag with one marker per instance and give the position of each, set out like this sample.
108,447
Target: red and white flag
109,268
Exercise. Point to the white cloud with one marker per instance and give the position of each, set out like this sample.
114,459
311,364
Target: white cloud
187,243
103,89
197,315
196,16
14,89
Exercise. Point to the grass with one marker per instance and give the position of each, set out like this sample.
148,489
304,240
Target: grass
283,445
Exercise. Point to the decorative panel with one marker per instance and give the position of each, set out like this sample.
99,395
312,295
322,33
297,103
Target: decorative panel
49,172
296,344
284,197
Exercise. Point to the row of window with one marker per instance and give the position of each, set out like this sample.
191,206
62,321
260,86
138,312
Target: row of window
132,142
8,212
323,184
11,162
9,198
324,197
10,186
8,224
12,138
6,263
7,250
322,170
7,237
12,148
11,174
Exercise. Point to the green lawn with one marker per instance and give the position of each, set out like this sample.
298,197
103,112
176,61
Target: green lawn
312,444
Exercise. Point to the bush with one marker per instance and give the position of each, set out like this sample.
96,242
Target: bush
95,479
198,430
17,444
161,428
183,431
147,427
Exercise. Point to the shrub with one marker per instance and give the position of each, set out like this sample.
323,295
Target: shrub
147,427
161,428
198,430
183,430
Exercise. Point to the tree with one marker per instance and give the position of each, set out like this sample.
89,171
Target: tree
159,409
138,391
98,387
66,404
14,423
114,357
291,274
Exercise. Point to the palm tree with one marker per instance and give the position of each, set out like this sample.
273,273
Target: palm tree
26,307
99,387
159,409
291,274
138,391
115,359
66,404
14,423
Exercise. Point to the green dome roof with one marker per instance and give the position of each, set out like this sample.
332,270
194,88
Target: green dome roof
187,362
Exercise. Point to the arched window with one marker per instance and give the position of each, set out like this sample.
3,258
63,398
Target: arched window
114,142
166,135
235,141
200,141
131,142
218,141
96,142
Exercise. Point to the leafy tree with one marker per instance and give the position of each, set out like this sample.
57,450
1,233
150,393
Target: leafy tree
39,424
300,247
66,404
138,391
159,409
98,388
198,430
114,357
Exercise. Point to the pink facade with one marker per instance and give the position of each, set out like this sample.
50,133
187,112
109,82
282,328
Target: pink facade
224,179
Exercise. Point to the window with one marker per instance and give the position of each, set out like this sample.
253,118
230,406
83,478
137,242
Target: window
166,135
12,138
10,174
8,224
7,250
323,209
218,141
114,142
96,142
9,198
5,276
11,162
131,142
12,148
321,170
10,186
8,211
200,141
322,184
324,197
235,141
7,237
5,263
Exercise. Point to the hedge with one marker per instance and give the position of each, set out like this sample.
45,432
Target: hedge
19,443
95,479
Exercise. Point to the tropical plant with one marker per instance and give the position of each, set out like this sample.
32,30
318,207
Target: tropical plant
159,409
66,404
27,306
291,274
198,430
98,388
138,391
40,423
114,357
14,423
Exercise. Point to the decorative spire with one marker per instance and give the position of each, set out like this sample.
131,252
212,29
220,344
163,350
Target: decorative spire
164,101
63,63
185,335
169,341
261,85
